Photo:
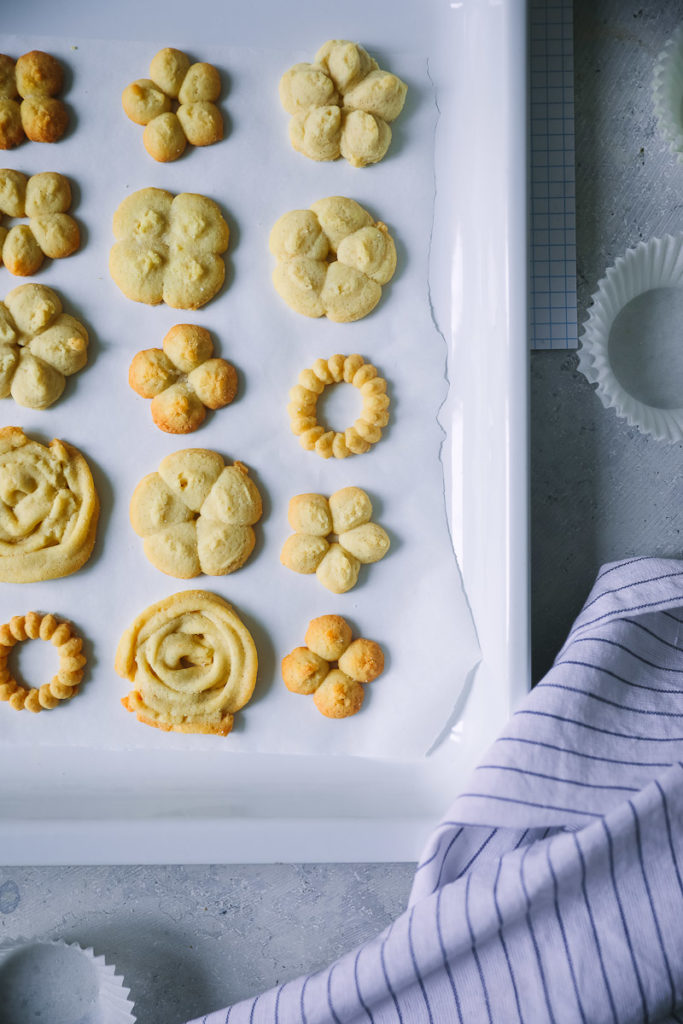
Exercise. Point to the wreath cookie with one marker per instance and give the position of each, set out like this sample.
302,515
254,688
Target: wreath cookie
28,107
192,661
44,199
367,429
176,104
341,105
338,692
71,661
332,259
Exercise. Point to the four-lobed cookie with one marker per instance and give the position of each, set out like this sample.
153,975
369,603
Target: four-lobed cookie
337,692
29,108
176,104
315,518
192,661
40,346
72,661
341,104
51,231
48,509
169,248
196,514
332,259
183,379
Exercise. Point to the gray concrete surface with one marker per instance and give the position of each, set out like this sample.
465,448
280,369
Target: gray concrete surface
190,939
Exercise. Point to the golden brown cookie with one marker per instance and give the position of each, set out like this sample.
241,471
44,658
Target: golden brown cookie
28,108
332,259
169,248
51,231
48,509
336,564
196,514
192,663
176,104
71,661
39,346
341,104
182,379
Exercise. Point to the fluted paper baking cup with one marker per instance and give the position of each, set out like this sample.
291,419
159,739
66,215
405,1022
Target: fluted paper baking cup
667,92
60,983
632,342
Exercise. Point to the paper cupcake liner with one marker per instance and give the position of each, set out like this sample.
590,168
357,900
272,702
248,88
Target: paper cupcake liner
651,265
667,92
98,994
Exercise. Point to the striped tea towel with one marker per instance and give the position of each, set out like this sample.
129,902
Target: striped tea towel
553,889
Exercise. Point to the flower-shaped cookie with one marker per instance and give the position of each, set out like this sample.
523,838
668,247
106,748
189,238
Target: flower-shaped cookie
332,259
169,248
44,199
337,692
39,346
182,379
37,78
176,105
341,105
196,514
314,518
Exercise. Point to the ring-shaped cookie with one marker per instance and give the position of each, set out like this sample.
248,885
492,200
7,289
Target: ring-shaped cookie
71,661
367,429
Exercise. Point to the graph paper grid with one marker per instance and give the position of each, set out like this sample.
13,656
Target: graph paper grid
552,243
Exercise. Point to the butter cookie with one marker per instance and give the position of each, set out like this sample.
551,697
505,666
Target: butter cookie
51,231
72,662
28,105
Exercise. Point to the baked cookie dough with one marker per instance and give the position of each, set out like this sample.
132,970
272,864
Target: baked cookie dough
169,248
196,514
71,661
315,519
341,104
332,259
28,105
337,691
51,231
183,379
366,430
48,509
176,104
39,346
192,663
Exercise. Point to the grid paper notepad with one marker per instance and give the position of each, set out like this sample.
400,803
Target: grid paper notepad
552,298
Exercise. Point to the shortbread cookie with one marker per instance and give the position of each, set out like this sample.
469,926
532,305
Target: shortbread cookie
72,661
44,199
183,379
342,104
192,662
196,514
176,104
338,691
366,430
315,520
39,346
332,259
169,248
48,509
28,107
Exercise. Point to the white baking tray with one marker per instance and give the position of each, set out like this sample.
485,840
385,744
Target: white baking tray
64,806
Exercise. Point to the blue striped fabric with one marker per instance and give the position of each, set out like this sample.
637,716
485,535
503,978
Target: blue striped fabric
553,889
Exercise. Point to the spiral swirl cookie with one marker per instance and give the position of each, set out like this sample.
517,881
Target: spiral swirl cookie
196,514
28,105
367,429
48,509
332,259
192,662
71,661
51,231
341,105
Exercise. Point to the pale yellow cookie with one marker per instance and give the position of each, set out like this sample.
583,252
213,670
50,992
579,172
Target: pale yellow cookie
192,662
341,104
48,509
28,108
332,259
64,684
169,248
51,231
196,514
